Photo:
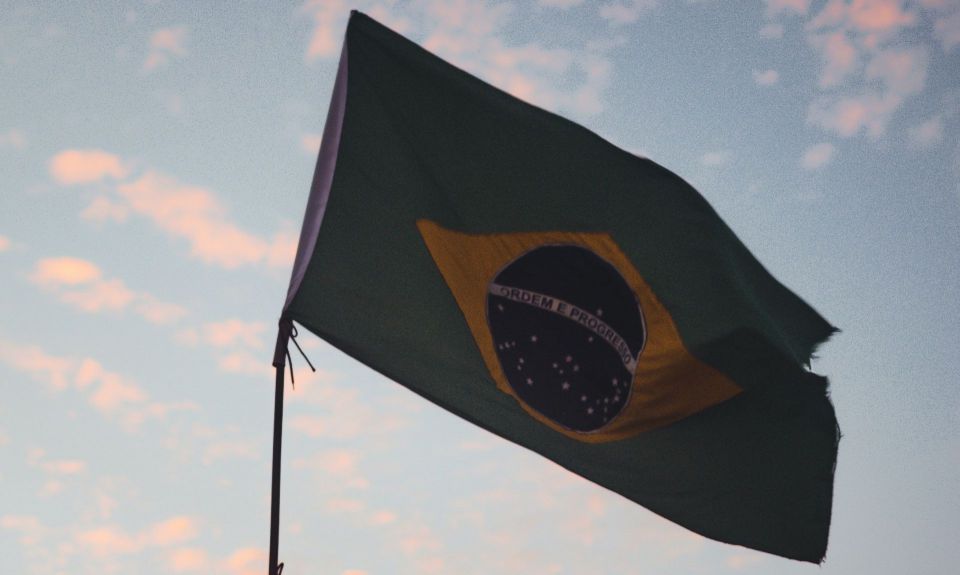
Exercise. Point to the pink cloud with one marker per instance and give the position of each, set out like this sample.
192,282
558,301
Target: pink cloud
879,15
135,416
172,531
947,30
20,522
234,332
340,412
108,542
108,392
90,371
111,541
775,7
80,284
899,74
310,425
743,560
243,363
31,530
165,45
383,518
158,312
342,463
848,116
195,215
869,69
102,209
840,58
310,144
468,34
191,213
246,561
188,559
114,392
98,296
13,139
903,72
329,19
561,4
771,31
65,271
54,371
282,250
623,12
340,505
4,243
927,133
86,166
64,466
715,159
417,539
339,462
817,156
225,449
766,77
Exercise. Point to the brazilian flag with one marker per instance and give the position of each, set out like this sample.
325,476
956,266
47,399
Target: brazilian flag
523,273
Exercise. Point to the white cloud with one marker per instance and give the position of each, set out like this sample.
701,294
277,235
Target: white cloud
766,77
817,156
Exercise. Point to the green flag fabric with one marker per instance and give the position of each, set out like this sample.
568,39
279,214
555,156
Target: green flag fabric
523,273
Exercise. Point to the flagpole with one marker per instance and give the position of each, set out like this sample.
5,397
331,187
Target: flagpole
279,355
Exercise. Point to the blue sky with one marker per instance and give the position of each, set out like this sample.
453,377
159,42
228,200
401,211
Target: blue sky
156,159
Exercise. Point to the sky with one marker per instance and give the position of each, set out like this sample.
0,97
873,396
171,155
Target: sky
155,161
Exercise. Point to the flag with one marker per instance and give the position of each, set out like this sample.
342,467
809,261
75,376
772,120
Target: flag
521,272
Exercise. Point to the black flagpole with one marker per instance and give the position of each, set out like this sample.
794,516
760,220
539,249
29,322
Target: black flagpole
279,356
